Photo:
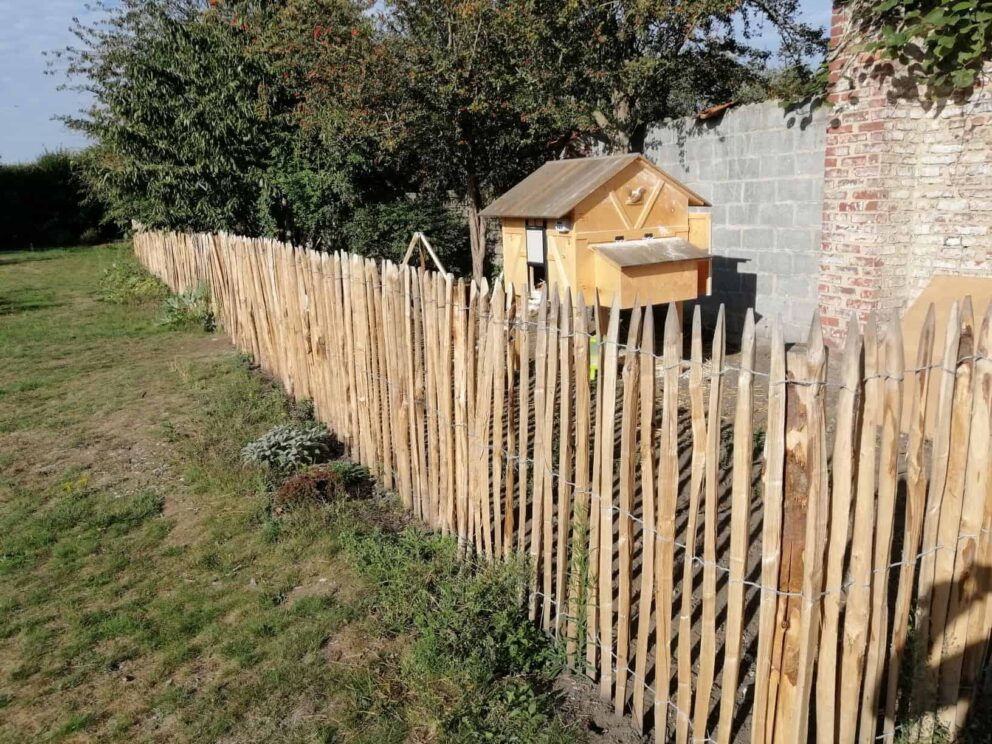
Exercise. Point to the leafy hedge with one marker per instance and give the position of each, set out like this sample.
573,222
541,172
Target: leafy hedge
45,204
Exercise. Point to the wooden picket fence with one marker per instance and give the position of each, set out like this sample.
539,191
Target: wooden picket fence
727,558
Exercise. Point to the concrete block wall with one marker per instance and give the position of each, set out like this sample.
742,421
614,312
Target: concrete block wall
908,185
762,169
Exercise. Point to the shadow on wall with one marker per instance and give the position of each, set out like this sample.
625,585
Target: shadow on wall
799,115
737,291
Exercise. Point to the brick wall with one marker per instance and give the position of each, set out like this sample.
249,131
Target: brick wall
907,185
762,168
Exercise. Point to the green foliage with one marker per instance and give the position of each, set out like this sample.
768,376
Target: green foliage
937,733
342,124
45,204
189,309
185,120
637,62
944,43
198,126
469,617
471,642
795,84
384,230
287,447
509,712
354,477
126,282
454,101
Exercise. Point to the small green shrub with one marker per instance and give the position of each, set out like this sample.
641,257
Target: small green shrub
355,477
512,711
909,731
126,282
286,448
474,669
469,618
189,310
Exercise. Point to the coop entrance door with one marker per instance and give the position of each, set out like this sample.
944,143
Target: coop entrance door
536,252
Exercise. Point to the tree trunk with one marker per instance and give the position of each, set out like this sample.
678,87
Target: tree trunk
621,132
476,229
637,138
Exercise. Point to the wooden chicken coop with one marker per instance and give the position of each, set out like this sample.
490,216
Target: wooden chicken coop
617,224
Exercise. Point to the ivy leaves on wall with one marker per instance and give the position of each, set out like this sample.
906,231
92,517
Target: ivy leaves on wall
944,42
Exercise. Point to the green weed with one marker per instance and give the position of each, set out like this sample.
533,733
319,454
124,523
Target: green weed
189,310
471,643
758,448
580,583
126,282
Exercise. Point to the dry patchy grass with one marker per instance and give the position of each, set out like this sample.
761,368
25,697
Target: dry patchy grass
148,590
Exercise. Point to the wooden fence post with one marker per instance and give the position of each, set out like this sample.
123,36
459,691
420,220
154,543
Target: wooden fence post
460,342
649,529
499,312
546,525
765,683
913,522
893,365
578,600
954,431
842,491
668,488
563,510
596,499
974,587
683,705
804,530
607,411
923,689
857,612
714,427
625,504
523,338
943,655
740,530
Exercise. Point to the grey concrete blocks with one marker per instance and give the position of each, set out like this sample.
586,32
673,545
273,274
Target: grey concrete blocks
762,168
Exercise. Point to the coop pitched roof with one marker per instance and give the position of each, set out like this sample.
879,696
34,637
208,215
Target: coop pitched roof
625,253
559,186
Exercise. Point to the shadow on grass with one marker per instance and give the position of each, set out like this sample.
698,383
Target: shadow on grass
39,254
26,301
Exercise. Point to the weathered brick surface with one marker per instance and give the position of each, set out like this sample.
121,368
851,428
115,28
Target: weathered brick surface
907,187
762,168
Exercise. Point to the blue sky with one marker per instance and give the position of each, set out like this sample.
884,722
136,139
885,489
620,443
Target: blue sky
29,99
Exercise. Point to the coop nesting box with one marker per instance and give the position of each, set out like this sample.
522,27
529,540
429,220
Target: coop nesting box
618,224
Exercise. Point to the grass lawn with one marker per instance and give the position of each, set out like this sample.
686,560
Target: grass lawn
150,592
